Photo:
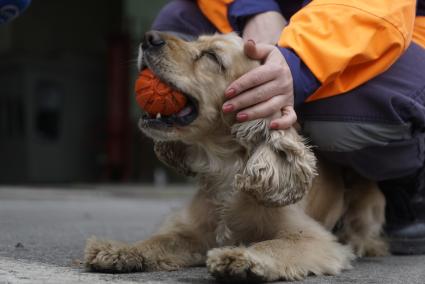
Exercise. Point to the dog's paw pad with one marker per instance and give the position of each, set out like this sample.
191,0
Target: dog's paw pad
106,256
235,265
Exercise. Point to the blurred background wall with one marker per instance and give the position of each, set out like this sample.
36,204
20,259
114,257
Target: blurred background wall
67,112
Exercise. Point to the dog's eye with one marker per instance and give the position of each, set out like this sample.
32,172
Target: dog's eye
211,54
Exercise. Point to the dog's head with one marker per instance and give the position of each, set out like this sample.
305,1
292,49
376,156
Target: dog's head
201,70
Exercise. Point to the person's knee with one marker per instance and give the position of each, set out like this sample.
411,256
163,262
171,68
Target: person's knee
334,136
375,151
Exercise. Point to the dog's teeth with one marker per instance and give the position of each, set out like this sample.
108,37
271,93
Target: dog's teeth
158,115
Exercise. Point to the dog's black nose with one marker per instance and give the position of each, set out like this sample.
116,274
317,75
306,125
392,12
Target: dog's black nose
152,39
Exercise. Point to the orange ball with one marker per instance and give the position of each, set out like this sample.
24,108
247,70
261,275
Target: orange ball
155,97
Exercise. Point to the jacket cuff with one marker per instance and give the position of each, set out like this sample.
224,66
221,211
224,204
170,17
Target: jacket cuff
241,10
305,83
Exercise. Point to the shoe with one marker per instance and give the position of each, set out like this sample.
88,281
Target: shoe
405,214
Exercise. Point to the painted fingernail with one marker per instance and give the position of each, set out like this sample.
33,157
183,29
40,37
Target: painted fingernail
274,125
230,93
228,108
242,117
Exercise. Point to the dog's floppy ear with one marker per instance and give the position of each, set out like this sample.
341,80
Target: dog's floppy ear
174,155
280,167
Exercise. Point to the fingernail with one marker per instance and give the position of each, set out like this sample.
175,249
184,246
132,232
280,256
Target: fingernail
230,93
274,125
228,108
251,41
242,117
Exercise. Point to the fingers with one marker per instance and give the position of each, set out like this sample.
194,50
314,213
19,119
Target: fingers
265,91
262,110
253,96
253,78
257,51
289,117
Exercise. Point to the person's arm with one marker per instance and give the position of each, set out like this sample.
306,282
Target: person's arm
230,15
332,46
265,27
346,43
217,13
419,30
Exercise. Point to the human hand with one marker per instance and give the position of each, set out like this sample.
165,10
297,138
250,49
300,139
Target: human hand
265,91
264,28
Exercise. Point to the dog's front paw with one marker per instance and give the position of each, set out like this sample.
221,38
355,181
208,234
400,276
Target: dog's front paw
236,265
113,257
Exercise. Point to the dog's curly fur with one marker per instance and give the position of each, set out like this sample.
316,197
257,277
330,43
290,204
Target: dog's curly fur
254,217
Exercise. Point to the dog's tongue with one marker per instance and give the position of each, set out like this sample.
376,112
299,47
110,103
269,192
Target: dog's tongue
186,111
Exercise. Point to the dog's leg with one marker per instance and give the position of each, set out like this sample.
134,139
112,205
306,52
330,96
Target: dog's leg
182,242
301,248
364,219
280,168
162,252
325,200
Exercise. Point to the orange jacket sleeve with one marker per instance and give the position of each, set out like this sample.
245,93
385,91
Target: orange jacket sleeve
344,43
419,31
216,12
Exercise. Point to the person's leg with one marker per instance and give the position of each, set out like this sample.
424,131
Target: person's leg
183,18
378,130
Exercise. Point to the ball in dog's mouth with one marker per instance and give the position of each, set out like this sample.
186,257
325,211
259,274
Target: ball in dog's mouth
162,103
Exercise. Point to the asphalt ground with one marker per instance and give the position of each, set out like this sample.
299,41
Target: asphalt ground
43,232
